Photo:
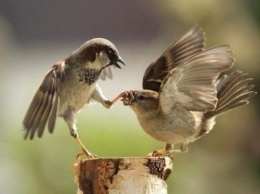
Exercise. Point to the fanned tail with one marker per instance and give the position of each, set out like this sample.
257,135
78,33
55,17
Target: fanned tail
232,91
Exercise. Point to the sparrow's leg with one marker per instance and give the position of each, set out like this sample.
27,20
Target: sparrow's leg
99,97
169,151
183,148
70,120
123,94
84,150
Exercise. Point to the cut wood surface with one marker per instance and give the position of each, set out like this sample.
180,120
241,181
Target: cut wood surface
135,175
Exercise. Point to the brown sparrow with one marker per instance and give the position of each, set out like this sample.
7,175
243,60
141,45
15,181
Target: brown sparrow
183,93
69,85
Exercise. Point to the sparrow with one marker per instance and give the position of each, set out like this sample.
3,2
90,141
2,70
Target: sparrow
183,92
70,85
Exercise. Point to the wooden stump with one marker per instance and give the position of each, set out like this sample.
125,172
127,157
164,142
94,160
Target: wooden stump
123,175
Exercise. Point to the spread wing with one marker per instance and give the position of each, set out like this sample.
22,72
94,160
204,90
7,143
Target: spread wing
191,43
192,84
44,106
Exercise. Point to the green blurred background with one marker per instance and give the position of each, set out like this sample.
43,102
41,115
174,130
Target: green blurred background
35,34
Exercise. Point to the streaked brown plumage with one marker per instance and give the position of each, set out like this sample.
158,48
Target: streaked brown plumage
69,85
189,44
183,93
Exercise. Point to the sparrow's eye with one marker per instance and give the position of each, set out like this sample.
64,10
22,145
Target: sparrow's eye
112,55
141,97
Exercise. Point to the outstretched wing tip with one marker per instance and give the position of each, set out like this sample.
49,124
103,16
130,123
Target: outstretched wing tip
192,42
43,104
193,83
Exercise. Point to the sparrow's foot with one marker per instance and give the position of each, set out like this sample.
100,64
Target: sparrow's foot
125,94
127,97
73,133
109,103
162,152
84,150
87,153
169,151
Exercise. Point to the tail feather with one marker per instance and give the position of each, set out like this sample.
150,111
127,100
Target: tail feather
232,91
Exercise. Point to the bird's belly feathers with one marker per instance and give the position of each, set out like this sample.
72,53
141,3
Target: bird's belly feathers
75,95
179,127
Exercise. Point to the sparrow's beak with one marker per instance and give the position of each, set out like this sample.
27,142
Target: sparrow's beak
116,61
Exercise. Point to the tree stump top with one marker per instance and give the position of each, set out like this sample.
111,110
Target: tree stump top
144,175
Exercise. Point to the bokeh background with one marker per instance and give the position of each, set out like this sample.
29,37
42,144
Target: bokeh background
34,34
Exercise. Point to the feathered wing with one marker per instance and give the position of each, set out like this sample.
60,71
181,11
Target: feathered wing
191,43
232,91
192,84
44,106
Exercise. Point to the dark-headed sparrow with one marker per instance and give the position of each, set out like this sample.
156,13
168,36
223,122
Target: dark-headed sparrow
69,85
184,92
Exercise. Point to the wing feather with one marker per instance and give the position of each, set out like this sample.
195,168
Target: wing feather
193,83
189,44
49,96
54,114
44,103
44,118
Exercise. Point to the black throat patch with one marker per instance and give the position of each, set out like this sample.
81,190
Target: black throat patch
89,76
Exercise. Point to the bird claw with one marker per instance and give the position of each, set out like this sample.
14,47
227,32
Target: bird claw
84,150
108,103
127,97
123,95
73,133
169,152
163,152
86,153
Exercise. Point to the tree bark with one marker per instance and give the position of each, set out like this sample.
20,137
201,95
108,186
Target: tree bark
123,175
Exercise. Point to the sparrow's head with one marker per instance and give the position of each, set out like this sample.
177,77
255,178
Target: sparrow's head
97,53
143,102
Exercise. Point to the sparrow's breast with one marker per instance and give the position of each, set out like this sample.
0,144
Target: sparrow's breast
178,127
77,89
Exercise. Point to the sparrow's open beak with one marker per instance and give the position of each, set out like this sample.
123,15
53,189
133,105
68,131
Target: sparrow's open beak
116,61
